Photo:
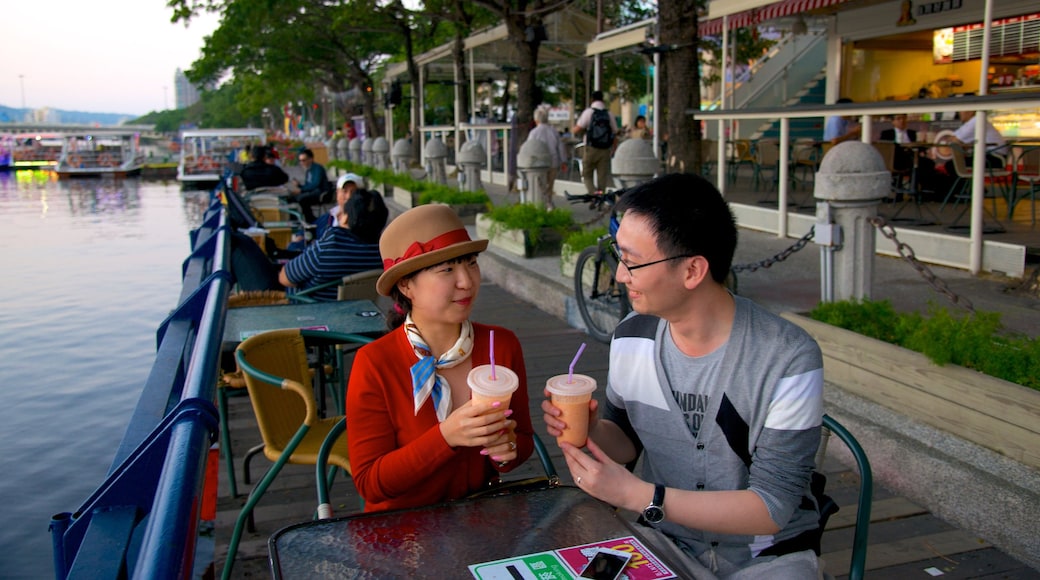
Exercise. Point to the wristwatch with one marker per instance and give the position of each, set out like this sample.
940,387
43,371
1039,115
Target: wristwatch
654,513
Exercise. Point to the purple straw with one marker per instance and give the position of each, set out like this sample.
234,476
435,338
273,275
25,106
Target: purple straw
492,347
570,369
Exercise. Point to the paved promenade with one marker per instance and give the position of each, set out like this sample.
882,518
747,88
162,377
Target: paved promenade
532,297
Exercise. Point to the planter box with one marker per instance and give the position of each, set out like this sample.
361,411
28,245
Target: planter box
406,198
517,241
985,410
467,212
568,260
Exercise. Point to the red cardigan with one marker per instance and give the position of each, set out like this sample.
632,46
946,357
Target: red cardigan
400,459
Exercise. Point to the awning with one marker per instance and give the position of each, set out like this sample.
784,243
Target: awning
755,16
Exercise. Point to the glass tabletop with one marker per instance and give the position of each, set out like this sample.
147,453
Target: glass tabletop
443,541
347,316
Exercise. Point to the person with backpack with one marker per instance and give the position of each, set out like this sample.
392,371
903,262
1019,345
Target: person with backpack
597,124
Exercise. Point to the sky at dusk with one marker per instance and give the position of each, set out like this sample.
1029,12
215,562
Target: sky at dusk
103,56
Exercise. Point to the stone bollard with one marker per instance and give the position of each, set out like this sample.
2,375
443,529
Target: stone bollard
436,156
380,153
343,149
471,159
401,155
366,152
330,146
354,150
634,162
533,161
850,184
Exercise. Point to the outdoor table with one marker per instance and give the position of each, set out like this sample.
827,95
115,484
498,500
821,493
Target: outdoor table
346,316
547,532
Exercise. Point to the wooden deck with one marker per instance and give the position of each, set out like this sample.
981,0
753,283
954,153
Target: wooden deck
905,540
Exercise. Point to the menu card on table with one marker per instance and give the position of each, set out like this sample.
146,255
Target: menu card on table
566,563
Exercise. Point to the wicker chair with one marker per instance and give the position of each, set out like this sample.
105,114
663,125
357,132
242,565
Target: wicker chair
277,375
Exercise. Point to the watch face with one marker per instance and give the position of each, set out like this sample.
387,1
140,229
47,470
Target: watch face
653,514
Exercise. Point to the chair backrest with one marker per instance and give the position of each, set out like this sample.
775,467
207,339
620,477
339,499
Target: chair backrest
888,154
360,286
1028,162
858,562
960,163
767,152
803,151
278,379
709,150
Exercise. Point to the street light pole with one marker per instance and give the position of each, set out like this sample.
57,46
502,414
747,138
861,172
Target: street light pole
21,79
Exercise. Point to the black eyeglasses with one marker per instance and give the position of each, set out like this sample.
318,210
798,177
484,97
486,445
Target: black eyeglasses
632,268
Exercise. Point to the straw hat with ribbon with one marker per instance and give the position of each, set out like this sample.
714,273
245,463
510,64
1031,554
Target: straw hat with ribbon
419,238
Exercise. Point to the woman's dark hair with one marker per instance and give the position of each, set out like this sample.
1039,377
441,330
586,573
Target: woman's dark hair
366,214
402,305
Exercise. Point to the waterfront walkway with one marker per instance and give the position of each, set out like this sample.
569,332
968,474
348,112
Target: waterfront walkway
531,297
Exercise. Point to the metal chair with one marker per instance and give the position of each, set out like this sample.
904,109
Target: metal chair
1026,170
277,374
960,191
902,189
858,562
805,157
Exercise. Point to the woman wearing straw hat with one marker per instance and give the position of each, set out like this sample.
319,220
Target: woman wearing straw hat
415,437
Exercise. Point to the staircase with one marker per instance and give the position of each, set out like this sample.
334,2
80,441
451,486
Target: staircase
809,128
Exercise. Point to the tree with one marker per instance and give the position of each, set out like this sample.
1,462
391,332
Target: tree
294,49
677,20
524,22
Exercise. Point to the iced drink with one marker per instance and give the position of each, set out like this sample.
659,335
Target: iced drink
487,389
571,395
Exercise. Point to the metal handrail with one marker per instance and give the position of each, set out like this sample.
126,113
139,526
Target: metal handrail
149,500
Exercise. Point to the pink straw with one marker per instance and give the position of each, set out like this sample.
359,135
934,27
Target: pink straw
570,369
492,347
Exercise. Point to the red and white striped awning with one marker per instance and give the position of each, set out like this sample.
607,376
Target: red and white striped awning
755,16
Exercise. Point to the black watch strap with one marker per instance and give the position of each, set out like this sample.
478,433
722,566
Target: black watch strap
654,513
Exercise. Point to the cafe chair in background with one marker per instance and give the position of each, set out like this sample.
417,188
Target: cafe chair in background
1026,171
805,159
277,375
858,560
903,188
960,191
766,164
358,286
740,153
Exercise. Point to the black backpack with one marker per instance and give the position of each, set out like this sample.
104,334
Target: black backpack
600,132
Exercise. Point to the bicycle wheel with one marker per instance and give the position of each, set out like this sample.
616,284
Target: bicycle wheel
602,302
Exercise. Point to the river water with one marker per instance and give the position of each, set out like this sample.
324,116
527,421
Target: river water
90,270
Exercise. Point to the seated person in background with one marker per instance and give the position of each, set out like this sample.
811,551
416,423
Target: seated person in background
838,129
350,248
639,130
545,133
345,185
904,157
261,170
415,437
723,399
315,188
965,135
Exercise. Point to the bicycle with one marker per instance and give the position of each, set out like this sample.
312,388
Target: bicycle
602,300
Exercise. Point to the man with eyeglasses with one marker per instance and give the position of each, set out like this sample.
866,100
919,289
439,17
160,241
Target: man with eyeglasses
723,399
315,188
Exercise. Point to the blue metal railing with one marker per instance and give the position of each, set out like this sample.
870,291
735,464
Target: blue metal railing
143,520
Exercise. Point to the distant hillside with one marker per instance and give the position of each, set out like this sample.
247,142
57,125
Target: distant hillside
13,115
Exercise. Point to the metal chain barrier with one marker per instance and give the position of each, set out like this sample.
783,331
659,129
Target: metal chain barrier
907,253
752,266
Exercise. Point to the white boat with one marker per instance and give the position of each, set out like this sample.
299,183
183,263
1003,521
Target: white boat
99,153
205,153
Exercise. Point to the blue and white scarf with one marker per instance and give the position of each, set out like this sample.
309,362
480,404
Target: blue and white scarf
425,380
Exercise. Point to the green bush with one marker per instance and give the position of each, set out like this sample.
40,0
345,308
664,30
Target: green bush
428,191
578,240
976,341
529,218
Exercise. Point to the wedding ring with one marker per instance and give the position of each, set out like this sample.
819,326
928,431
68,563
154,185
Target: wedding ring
512,445
578,481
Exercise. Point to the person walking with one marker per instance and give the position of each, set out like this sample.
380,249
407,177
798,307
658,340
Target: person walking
597,124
